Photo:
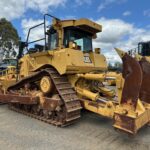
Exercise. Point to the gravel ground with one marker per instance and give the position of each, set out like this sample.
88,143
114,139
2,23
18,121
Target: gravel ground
19,132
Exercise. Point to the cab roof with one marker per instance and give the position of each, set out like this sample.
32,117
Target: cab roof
84,24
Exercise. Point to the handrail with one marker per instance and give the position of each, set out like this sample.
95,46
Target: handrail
43,23
31,29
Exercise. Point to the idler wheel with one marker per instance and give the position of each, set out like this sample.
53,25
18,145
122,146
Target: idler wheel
46,85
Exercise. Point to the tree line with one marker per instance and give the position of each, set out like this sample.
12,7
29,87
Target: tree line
9,39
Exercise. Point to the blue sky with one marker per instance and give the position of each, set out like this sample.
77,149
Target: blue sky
125,22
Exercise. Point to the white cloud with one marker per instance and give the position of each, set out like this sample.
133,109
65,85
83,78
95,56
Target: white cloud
36,33
81,2
121,34
106,3
126,13
147,12
113,30
43,5
12,9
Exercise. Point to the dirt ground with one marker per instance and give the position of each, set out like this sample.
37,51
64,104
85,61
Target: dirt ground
92,132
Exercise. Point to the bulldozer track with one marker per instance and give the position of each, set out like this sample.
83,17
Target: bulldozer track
41,118
65,91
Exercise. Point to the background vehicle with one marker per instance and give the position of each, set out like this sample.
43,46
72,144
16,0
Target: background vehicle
7,73
143,49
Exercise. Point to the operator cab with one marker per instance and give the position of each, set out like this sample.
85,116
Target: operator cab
73,34
144,48
81,38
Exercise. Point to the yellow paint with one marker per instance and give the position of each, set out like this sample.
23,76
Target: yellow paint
7,77
85,76
106,110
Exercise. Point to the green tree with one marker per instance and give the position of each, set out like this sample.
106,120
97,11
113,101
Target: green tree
110,66
118,65
8,39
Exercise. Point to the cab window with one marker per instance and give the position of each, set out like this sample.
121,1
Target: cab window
81,38
52,39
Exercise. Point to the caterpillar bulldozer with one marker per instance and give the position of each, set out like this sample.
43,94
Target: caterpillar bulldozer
7,73
143,49
56,80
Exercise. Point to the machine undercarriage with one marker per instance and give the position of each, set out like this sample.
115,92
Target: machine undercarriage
45,94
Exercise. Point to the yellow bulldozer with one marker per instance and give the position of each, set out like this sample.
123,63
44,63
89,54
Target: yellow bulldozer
56,80
7,73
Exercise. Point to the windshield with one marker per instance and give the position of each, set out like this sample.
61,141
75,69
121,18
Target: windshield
81,38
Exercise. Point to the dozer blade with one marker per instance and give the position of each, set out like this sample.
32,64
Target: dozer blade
145,89
132,75
131,114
